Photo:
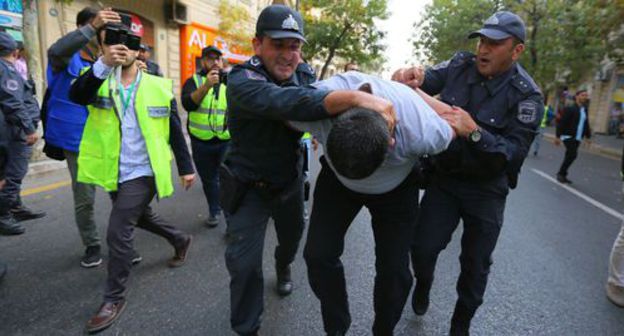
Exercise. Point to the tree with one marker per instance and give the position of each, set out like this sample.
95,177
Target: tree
31,43
566,39
236,22
344,29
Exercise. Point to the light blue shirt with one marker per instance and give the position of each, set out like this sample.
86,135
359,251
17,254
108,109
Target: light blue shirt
419,130
133,160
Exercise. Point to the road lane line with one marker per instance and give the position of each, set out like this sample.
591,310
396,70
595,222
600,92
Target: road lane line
45,188
588,199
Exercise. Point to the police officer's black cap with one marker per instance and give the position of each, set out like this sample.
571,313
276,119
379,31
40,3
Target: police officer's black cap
502,25
7,43
280,22
211,49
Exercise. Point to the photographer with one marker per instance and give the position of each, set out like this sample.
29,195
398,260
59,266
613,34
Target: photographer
204,97
134,116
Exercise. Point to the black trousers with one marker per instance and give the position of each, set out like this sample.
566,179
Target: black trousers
393,217
246,229
480,206
571,153
131,208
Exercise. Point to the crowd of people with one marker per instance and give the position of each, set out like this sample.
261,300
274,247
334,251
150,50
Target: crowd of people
109,112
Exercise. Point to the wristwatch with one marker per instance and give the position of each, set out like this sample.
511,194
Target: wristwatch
475,136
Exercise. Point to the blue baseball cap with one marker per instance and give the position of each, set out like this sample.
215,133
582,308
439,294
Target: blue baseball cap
7,43
502,25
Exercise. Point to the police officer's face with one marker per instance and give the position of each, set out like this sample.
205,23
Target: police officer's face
496,56
279,56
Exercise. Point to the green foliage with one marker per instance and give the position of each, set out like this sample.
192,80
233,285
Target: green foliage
236,22
566,39
344,29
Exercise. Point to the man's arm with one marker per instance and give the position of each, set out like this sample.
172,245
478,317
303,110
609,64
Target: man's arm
178,142
84,90
431,81
60,53
187,90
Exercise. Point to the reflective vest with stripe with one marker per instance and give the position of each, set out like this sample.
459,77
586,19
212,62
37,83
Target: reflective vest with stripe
209,120
100,147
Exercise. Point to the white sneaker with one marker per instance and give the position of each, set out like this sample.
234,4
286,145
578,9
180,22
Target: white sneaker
615,294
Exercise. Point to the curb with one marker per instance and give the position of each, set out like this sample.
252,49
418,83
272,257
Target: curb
611,153
42,167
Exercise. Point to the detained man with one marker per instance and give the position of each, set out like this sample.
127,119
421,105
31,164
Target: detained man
367,164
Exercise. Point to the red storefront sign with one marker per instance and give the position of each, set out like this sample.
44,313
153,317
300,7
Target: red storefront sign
195,37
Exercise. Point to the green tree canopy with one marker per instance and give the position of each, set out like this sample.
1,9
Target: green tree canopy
344,29
566,39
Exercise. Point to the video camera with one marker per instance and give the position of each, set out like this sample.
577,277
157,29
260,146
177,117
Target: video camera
120,34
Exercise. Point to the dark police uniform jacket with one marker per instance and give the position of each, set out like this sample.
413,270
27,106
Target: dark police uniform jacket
18,102
3,146
263,148
508,108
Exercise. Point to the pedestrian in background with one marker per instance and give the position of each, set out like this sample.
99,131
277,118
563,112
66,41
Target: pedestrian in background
472,178
540,134
133,115
64,120
204,97
21,112
145,56
572,129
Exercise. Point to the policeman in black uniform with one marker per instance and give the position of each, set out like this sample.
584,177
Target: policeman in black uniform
3,161
472,177
265,157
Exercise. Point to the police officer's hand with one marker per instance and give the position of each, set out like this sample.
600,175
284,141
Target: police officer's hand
32,139
107,15
115,55
2,182
381,106
187,181
412,77
213,78
460,120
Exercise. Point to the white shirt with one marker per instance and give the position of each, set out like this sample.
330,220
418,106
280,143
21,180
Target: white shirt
419,131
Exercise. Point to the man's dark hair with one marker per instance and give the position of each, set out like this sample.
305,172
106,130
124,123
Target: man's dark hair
357,143
85,15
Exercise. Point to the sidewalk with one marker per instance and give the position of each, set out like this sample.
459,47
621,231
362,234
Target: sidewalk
606,145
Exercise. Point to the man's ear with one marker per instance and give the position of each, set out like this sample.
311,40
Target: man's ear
366,87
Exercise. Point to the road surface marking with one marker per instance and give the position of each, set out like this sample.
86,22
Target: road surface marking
588,199
45,188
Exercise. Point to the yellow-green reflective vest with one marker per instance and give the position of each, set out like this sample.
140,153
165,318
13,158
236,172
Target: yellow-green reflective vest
306,136
100,147
209,120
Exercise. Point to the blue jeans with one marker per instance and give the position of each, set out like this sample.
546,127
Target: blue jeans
207,157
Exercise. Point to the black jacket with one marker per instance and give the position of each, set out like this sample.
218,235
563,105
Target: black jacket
568,124
262,147
508,108
84,92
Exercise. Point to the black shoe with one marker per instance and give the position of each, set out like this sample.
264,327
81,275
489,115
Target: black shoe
9,226
136,257
23,213
420,298
284,281
212,221
92,257
3,270
460,323
563,179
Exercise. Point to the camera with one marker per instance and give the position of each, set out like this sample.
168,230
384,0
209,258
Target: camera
120,35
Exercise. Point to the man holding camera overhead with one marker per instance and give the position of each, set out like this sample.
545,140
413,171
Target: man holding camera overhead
203,96
133,116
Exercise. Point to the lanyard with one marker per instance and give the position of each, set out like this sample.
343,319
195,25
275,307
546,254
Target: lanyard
125,101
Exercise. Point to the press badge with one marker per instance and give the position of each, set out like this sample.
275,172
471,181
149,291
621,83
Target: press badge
158,112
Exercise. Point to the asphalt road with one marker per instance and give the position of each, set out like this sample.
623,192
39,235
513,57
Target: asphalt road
548,276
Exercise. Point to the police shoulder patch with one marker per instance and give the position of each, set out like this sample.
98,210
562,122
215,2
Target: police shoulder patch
255,61
250,74
10,85
527,111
